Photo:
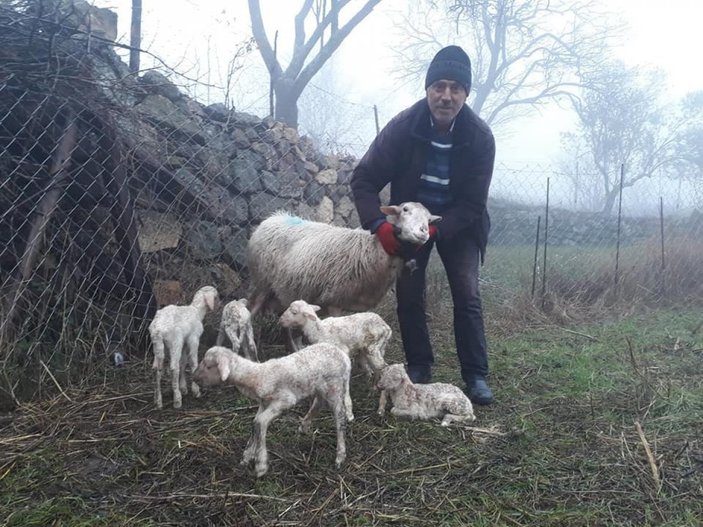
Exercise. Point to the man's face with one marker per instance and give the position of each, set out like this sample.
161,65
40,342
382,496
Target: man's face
445,99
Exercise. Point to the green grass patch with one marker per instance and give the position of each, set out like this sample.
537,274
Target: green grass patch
559,447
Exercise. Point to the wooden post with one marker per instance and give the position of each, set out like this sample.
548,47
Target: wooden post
617,237
534,263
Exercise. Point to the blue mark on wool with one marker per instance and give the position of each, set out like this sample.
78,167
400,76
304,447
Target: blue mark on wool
295,220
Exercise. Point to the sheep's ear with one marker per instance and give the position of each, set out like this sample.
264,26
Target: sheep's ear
244,302
434,219
391,211
315,308
308,314
223,366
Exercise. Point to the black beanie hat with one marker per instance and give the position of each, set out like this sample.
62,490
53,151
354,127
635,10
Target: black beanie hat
451,63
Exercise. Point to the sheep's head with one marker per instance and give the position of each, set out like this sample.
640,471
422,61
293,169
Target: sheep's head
215,367
392,377
207,296
298,313
411,221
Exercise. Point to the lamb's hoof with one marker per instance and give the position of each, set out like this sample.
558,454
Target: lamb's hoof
261,470
195,390
350,417
444,423
177,403
340,460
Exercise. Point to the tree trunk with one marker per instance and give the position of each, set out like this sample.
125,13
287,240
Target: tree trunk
286,108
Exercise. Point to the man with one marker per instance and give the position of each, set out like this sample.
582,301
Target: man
440,153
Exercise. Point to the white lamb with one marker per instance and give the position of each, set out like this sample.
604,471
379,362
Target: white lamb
320,371
172,328
362,335
236,324
337,268
422,401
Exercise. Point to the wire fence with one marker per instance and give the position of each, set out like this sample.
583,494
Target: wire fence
119,194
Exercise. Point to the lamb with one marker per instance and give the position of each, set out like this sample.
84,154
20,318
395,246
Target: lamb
337,268
362,335
236,324
171,328
320,370
422,401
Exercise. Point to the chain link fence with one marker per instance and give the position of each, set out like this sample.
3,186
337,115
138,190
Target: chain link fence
119,194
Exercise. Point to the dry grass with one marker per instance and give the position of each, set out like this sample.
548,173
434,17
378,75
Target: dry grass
597,423
559,448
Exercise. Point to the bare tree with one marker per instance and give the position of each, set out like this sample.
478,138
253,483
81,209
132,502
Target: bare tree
623,120
327,35
524,53
335,125
690,148
135,35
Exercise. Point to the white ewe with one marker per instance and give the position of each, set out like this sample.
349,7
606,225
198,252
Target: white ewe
236,324
320,371
362,335
172,328
337,268
422,401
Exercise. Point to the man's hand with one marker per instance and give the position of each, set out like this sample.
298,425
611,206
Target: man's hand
386,235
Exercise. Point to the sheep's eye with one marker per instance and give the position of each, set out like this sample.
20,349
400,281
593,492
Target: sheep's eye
406,209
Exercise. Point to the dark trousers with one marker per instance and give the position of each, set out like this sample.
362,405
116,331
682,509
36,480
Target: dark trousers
460,258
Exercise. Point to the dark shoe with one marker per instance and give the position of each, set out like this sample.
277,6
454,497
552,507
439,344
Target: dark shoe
420,375
478,391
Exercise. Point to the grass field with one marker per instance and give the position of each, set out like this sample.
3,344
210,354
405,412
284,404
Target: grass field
560,447
598,421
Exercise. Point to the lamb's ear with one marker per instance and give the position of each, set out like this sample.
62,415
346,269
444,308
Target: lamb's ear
315,308
244,302
308,314
211,301
434,219
223,366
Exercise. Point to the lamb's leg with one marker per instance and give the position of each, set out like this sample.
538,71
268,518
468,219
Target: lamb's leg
158,366
251,447
402,412
294,342
251,344
233,336
453,418
220,335
261,424
193,343
382,402
175,366
335,400
348,407
182,381
306,422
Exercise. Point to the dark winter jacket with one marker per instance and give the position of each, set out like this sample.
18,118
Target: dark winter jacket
397,156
